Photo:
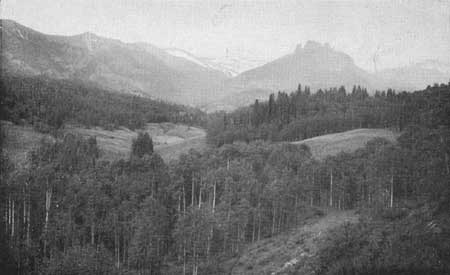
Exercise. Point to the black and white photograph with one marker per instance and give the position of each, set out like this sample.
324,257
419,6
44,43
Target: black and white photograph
224,137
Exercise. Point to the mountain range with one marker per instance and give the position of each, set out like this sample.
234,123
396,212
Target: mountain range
179,76
128,67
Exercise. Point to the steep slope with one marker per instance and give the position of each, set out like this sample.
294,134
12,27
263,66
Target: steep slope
287,252
110,63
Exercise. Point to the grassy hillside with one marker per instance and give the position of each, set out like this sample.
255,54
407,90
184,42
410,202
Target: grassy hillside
170,140
349,141
284,253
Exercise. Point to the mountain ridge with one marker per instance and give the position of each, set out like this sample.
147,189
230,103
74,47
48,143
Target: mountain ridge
110,63
179,76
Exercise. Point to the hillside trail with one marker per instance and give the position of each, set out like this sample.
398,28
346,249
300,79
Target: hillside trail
288,252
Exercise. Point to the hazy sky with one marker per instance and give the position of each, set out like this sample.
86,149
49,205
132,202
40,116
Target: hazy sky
390,32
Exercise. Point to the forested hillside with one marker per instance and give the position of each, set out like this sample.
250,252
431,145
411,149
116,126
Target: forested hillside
303,114
48,104
69,213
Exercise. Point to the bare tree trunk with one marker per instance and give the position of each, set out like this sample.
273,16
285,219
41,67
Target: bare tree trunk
9,214
179,203
184,201
392,188
211,231
273,219
200,195
447,163
280,217
225,233
193,189
259,219
48,201
92,233
331,188
313,186
253,227
184,257
116,243
194,263
28,222
214,197
13,219
24,215
295,210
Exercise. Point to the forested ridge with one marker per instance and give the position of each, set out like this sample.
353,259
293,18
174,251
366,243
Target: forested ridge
69,213
48,104
302,114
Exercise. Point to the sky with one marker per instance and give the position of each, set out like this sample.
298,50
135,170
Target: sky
377,34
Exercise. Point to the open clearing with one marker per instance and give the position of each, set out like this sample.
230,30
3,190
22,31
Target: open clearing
349,141
290,251
169,139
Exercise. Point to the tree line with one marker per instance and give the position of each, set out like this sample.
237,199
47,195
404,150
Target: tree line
301,114
48,104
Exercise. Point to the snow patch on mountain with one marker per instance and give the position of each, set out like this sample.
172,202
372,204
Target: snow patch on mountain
187,56
230,66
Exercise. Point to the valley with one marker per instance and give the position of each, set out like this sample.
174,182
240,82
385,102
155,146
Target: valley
124,157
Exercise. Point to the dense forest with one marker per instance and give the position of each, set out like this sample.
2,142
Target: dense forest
48,104
302,114
69,213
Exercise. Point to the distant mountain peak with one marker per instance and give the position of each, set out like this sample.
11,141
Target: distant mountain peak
88,35
312,45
